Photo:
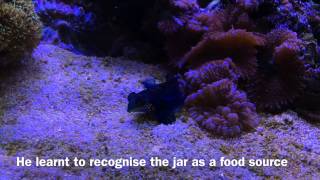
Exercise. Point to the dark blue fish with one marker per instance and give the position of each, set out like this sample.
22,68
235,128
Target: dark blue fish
161,101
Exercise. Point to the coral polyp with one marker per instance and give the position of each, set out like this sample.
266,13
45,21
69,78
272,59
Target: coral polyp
239,45
210,72
281,77
20,30
222,109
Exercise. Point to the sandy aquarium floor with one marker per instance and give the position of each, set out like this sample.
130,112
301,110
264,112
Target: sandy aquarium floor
60,104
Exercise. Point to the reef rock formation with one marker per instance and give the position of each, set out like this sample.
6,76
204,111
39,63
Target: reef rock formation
222,109
20,30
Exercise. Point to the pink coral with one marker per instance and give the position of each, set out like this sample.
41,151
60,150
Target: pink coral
222,109
209,73
239,45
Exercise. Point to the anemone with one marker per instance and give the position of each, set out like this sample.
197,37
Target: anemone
222,109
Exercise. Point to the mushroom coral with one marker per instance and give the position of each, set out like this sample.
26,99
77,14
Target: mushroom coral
210,72
222,109
237,44
20,30
280,80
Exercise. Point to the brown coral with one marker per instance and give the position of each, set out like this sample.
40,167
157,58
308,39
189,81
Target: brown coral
210,72
221,109
239,45
20,30
280,79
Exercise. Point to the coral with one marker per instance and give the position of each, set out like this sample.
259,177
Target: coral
264,46
169,26
280,36
100,28
65,22
222,20
314,19
222,109
20,30
310,54
239,45
184,5
249,4
291,14
178,44
280,78
181,26
181,34
210,72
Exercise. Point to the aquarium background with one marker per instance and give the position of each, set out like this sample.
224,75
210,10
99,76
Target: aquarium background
160,78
